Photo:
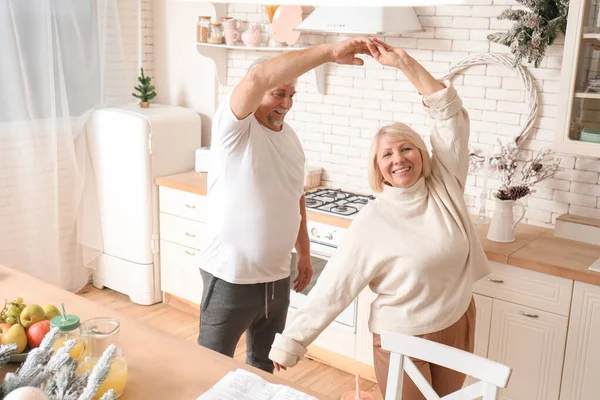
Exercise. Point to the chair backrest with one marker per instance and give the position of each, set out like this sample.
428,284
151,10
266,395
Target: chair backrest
491,375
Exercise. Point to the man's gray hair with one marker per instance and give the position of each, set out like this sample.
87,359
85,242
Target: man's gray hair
261,60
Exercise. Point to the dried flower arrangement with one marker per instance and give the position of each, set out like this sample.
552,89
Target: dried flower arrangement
541,167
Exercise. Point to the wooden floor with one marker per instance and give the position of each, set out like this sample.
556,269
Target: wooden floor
311,374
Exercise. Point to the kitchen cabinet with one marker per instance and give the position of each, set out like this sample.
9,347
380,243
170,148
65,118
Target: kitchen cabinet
582,359
532,343
578,122
183,235
523,315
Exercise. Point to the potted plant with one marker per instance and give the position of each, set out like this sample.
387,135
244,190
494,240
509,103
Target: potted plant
145,90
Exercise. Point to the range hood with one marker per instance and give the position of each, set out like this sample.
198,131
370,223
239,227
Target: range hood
361,20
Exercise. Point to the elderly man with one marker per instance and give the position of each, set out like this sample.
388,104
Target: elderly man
257,208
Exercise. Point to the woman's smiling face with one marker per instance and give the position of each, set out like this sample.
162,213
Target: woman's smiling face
399,162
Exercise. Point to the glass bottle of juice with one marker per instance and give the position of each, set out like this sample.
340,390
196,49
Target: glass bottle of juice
98,334
69,328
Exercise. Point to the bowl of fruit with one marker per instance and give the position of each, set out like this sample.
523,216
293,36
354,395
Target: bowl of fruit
24,325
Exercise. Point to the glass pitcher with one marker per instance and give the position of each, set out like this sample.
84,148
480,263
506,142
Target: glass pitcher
98,334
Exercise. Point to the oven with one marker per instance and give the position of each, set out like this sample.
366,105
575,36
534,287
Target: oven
324,240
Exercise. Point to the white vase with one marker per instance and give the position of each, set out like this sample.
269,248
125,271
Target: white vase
504,221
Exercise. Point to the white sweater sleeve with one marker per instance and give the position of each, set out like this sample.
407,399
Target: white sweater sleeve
450,136
344,277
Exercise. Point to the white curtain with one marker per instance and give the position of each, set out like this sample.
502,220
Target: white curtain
59,60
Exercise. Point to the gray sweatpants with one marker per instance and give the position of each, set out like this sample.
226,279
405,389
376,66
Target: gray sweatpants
228,310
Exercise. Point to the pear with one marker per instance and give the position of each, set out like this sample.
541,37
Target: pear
50,311
31,314
15,334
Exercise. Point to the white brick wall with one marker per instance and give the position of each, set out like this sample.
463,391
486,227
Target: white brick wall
365,98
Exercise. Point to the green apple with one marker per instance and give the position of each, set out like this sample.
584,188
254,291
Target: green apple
16,334
31,314
50,311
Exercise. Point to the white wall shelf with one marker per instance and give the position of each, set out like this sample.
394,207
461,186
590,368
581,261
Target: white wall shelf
218,53
587,95
591,36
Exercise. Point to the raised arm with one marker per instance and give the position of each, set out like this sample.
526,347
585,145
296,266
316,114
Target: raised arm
450,136
247,95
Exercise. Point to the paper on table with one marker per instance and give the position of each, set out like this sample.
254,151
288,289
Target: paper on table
595,266
244,385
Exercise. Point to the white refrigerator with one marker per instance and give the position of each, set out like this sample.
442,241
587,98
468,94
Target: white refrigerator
130,147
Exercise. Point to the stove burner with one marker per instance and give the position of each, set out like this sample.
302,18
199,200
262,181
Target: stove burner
336,201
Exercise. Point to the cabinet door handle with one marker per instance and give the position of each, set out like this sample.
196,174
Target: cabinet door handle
529,315
190,235
493,280
190,205
191,253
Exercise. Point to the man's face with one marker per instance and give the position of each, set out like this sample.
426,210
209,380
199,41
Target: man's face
274,106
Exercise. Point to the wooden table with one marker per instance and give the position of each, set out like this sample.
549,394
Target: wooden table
160,366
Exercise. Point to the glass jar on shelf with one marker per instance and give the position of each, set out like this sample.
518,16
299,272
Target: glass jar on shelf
215,35
69,328
203,29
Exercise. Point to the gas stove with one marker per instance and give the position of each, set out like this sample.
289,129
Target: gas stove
336,201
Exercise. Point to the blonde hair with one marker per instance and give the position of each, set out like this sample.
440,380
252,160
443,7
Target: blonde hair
400,132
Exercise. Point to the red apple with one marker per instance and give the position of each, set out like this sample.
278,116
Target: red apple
36,333
4,328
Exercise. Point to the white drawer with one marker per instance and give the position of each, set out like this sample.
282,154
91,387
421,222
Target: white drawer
183,231
529,288
179,272
183,204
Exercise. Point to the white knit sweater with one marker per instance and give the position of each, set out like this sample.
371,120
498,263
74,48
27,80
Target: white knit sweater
415,247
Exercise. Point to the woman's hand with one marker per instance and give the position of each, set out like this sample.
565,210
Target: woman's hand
391,56
278,366
386,54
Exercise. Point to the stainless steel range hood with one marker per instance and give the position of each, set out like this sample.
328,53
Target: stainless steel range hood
361,20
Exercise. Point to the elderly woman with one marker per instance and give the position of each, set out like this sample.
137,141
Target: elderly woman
415,245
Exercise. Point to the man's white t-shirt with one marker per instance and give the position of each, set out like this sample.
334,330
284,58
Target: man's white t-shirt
255,183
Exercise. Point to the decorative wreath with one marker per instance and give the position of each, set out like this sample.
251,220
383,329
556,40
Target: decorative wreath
531,96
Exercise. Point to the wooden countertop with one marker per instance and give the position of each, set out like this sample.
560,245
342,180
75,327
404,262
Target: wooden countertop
160,366
535,248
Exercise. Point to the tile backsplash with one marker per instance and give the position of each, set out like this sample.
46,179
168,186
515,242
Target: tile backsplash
336,128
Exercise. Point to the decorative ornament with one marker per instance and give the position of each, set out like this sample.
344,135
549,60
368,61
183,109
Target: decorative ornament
27,393
531,97
145,89
533,30
285,20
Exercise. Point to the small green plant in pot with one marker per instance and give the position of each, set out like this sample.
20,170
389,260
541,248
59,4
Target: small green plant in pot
145,90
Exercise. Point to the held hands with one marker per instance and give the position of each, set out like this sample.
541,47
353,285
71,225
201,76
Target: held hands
305,273
345,52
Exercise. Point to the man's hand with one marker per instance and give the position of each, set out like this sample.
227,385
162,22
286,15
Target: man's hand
305,273
345,52
386,54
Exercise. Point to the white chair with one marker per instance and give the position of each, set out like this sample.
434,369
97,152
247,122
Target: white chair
491,375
